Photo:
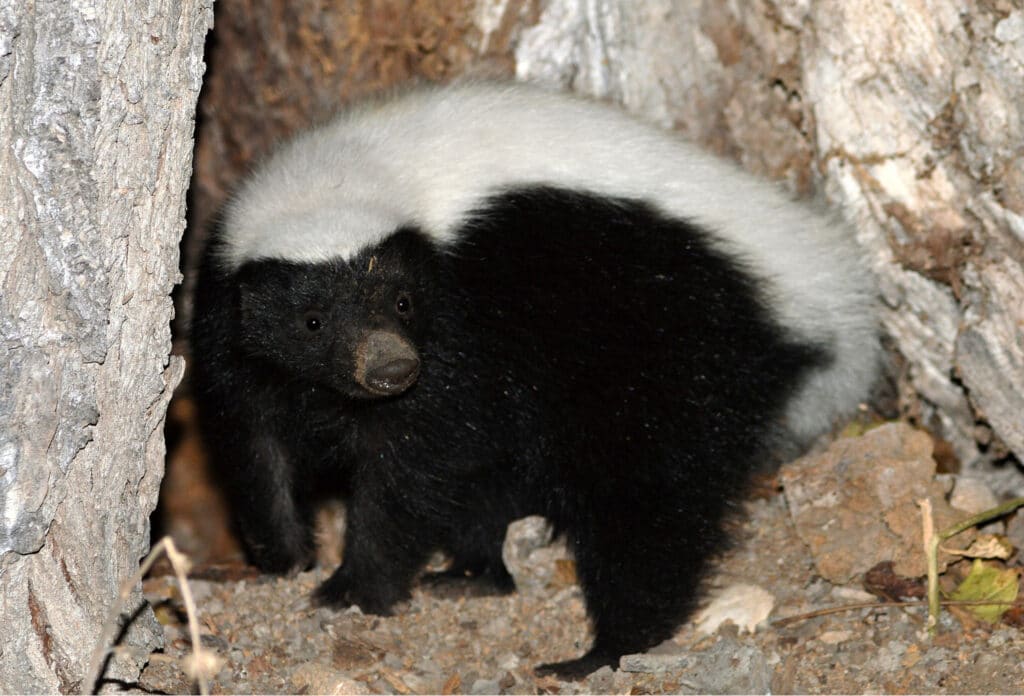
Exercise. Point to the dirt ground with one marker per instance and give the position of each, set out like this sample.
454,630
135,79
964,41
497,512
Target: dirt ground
270,640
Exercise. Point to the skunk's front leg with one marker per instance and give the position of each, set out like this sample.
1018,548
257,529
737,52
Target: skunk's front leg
384,550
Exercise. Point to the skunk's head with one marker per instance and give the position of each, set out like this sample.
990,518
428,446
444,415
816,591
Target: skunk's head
355,325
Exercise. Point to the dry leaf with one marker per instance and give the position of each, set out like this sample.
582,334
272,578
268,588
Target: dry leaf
452,685
882,581
985,583
744,605
395,682
986,546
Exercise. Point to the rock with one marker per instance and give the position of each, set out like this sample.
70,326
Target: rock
730,667
531,557
835,637
972,496
852,595
509,661
1015,529
320,678
651,663
855,504
601,682
485,686
667,647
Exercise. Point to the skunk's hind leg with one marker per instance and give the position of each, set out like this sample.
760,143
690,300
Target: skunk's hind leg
476,565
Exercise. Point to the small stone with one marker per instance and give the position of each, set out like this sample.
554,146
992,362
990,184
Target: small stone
318,678
835,637
653,664
602,681
972,496
667,647
428,665
852,595
732,667
529,554
485,686
213,642
509,662
1001,637
1011,28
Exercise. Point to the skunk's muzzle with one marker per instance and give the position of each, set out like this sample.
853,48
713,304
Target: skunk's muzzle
386,363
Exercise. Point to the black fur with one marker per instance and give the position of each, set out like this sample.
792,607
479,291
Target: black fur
586,359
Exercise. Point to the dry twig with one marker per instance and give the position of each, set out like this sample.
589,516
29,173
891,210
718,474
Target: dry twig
200,662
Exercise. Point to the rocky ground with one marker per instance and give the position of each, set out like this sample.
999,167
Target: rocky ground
268,639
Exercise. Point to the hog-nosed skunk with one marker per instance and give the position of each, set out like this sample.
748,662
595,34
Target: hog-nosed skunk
470,304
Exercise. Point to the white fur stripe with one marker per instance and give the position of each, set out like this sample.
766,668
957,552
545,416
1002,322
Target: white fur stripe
431,156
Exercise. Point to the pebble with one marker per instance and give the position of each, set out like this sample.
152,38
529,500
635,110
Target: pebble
647,662
972,496
601,681
852,595
1002,636
509,662
485,686
835,637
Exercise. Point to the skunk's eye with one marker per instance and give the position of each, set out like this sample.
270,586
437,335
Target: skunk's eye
314,321
403,304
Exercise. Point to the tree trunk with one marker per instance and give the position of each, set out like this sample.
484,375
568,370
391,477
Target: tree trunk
97,103
910,116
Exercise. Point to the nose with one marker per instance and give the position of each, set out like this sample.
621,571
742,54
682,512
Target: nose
386,363
394,376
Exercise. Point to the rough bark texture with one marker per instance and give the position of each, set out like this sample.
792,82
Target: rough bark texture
97,101
909,115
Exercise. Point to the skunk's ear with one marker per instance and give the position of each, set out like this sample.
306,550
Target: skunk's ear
410,244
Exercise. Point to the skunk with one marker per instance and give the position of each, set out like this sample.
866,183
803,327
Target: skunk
461,306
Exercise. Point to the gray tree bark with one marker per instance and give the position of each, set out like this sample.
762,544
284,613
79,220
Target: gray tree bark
909,116
97,103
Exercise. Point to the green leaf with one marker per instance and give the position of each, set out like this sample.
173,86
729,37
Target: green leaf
987,584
